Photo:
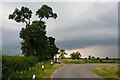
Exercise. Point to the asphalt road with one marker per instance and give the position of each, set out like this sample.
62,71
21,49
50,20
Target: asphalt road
77,71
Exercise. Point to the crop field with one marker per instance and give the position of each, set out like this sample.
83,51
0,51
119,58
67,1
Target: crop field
84,61
108,72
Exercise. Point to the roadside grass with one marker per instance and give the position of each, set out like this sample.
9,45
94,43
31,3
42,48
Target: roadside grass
107,72
118,72
70,61
84,61
38,71
49,71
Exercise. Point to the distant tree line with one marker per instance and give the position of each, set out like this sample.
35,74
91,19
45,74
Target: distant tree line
75,55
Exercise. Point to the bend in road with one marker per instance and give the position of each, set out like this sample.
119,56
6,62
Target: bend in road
77,71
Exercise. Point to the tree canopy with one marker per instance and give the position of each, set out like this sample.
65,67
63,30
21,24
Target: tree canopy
62,53
75,55
34,39
23,15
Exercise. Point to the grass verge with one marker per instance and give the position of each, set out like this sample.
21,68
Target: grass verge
38,71
107,72
49,71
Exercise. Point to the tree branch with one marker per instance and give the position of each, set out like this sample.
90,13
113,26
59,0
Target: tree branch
29,21
40,18
26,22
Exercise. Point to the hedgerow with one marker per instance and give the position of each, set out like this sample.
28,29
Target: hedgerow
16,64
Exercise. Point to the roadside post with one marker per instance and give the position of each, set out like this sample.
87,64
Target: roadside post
51,63
33,76
42,66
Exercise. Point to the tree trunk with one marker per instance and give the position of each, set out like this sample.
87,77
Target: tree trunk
31,50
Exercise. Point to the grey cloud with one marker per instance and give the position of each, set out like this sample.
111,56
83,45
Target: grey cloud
10,41
73,28
84,43
89,32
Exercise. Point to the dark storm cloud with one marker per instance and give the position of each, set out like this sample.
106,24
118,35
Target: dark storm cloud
84,43
10,41
79,25
103,30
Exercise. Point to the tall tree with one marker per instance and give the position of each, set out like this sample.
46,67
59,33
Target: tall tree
34,38
93,57
62,53
75,55
89,57
53,50
98,58
107,58
35,42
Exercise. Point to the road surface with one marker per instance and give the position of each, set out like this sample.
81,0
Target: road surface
77,71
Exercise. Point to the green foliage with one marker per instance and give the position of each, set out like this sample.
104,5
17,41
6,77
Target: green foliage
89,57
12,64
93,57
118,72
98,58
62,53
107,58
22,15
35,42
46,12
76,55
52,47
27,74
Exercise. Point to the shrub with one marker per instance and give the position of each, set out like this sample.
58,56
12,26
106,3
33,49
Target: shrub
12,64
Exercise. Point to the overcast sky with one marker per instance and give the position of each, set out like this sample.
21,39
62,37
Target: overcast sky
88,27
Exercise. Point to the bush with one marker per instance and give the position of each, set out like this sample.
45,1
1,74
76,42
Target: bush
118,72
13,64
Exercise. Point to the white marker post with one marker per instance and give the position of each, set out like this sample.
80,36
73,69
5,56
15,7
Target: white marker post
51,63
33,76
43,67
